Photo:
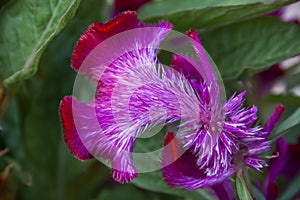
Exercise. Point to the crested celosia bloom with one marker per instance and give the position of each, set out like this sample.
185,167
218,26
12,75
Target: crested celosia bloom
213,140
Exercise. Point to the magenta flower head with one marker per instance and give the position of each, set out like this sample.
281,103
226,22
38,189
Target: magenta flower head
134,92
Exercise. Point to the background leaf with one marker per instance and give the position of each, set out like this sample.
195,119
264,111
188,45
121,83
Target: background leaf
241,188
292,189
153,181
27,27
32,128
291,77
251,46
257,194
132,192
288,123
3,2
291,103
203,14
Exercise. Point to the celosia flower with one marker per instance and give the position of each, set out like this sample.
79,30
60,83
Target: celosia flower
135,92
206,163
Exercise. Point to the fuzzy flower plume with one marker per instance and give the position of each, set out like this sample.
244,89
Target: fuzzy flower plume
135,93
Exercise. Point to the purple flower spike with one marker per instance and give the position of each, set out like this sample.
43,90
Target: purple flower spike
135,93
276,166
274,119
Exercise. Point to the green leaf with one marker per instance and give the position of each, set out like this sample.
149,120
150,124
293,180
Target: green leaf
3,2
257,194
292,80
291,103
251,46
292,189
56,171
121,193
27,27
241,188
291,77
129,191
290,122
24,176
203,14
154,181
33,128
11,133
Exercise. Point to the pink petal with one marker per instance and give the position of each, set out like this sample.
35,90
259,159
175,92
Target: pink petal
86,139
99,32
205,68
71,136
184,171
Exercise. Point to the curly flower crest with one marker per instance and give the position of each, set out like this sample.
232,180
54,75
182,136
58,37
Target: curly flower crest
135,93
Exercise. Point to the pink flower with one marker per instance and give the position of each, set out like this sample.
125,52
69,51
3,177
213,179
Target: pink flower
135,93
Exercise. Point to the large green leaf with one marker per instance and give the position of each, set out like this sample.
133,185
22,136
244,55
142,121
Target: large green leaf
32,128
252,45
3,2
292,189
129,191
154,181
120,193
206,13
241,189
291,77
257,194
27,27
291,103
288,123
56,170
